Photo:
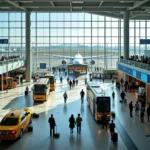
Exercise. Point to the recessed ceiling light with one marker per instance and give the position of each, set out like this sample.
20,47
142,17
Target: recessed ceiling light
26,1
77,7
5,7
77,2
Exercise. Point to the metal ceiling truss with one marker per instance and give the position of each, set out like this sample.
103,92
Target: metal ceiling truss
139,9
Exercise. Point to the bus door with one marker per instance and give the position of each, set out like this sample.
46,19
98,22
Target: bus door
94,106
9,83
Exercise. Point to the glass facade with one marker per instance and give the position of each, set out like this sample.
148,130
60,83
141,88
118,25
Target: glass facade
12,27
67,34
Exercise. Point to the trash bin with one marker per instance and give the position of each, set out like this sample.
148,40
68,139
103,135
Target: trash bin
85,81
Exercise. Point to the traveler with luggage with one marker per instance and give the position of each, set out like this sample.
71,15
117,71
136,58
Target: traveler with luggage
52,125
112,127
71,123
148,113
142,111
137,107
131,108
122,95
114,135
82,95
65,97
78,122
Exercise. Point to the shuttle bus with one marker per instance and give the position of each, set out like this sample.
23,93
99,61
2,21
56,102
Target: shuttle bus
8,83
51,80
98,102
41,89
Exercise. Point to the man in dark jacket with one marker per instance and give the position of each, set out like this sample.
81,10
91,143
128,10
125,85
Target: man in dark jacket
112,127
52,124
148,112
131,108
82,95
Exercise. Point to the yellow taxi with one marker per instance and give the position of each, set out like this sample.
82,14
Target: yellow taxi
14,123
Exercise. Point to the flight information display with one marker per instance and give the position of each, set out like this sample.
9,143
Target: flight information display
144,77
134,73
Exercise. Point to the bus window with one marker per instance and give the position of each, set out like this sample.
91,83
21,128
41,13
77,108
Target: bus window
103,106
39,89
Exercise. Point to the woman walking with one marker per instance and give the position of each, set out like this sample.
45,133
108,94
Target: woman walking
71,123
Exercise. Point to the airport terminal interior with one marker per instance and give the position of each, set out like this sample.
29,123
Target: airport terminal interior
74,74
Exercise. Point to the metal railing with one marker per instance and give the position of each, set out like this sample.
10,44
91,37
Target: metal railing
5,62
136,64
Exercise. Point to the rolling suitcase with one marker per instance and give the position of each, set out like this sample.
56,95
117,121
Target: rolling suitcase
115,137
35,115
56,134
30,128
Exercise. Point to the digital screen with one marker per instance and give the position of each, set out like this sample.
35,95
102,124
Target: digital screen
134,73
144,77
42,65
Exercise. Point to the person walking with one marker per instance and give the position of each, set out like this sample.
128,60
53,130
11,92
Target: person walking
112,127
76,82
78,122
113,95
148,113
61,79
65,97
131,108
137,107
104,121
71,123
142,111
70,83
52,125
82,95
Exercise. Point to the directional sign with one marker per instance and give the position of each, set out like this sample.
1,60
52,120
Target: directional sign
144,41
3,41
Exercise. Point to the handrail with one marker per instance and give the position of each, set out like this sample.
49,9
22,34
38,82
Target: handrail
11,61
136,64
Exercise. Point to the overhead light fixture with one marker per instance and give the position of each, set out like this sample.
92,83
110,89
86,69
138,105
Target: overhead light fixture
26,1
77,7
77,2
4,7
33,7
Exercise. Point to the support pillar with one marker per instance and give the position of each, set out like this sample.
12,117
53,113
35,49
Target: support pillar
28,47
126,34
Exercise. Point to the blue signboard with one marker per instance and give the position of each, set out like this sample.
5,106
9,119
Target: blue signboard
42,65
3,41
137,74
144,77
134,73
144,41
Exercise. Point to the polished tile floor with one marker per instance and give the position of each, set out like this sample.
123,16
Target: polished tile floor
131,132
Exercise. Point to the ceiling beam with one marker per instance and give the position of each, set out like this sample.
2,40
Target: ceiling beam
137,4
52,3
100,4
70,5
15,4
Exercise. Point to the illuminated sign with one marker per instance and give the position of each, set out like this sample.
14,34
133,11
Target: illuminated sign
144,77
77,68
134,73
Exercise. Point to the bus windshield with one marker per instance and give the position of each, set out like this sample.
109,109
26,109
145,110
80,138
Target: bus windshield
39,89
103,104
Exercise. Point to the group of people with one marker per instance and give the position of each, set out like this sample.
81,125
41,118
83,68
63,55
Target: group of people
142,58
82,93
139,109
72,123
3,58
72,83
